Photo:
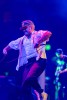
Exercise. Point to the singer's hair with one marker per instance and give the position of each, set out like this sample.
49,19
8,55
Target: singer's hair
27,23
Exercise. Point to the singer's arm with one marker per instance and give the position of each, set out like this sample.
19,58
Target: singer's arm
12,45
45,36
6,49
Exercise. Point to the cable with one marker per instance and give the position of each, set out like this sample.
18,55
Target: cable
2,58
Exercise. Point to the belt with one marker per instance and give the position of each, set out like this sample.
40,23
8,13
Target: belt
33,59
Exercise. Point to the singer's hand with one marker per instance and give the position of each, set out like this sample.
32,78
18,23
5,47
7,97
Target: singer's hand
4,51
17,68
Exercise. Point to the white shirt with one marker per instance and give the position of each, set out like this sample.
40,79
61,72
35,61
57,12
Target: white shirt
26,47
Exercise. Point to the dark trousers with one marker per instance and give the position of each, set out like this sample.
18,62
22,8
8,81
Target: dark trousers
30,73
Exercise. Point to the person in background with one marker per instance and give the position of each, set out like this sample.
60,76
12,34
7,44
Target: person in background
60,61
30,61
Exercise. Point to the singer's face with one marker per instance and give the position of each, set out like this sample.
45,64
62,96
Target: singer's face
28,31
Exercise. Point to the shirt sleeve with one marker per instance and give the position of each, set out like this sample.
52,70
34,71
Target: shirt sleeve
14,44
41,32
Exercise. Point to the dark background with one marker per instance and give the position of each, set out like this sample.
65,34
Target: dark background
46,14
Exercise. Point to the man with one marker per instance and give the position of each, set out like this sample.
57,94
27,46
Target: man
61,61
61,74
29,59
